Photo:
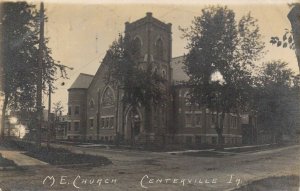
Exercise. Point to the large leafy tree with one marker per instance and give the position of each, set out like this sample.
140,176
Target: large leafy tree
141,85
277,105
19,58
220,46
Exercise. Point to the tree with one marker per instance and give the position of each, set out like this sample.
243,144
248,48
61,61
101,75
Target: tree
290,38
140,84
58,108
276,99
219,45
286,41
19,52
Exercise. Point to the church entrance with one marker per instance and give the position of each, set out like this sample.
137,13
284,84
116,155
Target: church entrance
133,125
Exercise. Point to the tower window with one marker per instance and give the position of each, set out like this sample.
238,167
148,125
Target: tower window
159,51
136,47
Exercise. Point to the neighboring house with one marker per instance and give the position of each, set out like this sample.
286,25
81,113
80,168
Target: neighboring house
249,129
61,125
96,112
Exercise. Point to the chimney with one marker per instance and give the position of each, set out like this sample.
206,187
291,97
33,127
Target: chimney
149,14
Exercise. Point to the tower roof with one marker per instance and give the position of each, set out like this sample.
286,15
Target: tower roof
148,19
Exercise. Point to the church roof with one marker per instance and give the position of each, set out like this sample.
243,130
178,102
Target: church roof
82,81
179,74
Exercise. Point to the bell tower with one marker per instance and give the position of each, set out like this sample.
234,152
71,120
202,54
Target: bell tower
154,39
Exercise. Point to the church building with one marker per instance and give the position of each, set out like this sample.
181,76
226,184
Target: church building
96,111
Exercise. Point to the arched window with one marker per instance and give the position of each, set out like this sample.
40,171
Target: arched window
164,74
159,50
92,104
136,47
108,98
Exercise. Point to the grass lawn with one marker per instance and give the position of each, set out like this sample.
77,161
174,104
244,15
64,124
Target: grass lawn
58,156
65,157
5,162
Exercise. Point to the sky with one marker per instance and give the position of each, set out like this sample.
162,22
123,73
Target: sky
73,27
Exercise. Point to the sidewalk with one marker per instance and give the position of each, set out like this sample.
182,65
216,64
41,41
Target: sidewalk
232,149
19,158
226,149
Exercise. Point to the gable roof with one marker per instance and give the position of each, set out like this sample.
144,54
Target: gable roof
82,81
179,74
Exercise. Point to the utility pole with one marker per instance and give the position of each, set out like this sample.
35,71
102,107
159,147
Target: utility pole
40,80
49,129
117,117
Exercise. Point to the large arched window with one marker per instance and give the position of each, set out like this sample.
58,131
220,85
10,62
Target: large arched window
108,97
159,50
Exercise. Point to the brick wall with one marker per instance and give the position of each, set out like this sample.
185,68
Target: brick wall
77,114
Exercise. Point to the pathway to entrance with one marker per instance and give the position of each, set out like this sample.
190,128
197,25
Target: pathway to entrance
20,158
